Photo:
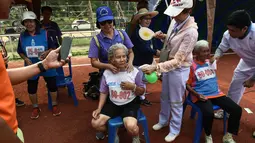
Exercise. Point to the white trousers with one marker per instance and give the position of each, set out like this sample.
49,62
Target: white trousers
171,98
241,74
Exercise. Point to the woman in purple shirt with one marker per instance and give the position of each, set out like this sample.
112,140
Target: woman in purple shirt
108,36
100,44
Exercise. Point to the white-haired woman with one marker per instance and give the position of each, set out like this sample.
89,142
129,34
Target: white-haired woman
119,94
205,93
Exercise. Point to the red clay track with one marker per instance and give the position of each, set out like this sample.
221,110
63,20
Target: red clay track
73,126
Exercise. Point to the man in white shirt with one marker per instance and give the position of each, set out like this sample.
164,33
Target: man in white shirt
240,37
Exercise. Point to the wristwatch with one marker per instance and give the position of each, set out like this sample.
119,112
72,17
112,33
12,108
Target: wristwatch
40,66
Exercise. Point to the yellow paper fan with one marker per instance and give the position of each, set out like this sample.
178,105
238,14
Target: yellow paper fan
146,33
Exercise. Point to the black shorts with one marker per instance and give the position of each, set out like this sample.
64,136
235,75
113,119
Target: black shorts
128,110
32,85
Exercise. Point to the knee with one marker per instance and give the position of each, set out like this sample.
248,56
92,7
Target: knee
132,127
97,123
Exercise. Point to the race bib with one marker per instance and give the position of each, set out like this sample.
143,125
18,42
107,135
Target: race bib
34,51
117,94
204,73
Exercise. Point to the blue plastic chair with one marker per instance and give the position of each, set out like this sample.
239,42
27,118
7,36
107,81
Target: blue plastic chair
114,123
63,80
199,125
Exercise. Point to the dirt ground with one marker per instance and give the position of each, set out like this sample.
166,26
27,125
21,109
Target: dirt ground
73,126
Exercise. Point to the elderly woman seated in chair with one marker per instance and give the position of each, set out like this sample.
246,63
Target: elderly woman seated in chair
119,94
205,93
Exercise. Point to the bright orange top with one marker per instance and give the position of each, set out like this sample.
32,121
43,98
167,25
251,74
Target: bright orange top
7,98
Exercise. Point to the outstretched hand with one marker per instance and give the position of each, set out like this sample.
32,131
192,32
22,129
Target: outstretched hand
148,69
51,61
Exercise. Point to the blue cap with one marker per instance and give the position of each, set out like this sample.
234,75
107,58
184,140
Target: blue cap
104,13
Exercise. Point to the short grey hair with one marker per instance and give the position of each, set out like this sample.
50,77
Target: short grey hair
199,44
113,48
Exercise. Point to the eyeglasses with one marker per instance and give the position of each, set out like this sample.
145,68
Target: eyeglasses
106,21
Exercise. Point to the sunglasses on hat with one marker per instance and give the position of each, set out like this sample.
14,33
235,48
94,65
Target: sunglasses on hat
104,22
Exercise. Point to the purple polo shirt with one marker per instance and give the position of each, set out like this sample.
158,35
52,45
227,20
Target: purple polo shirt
105,43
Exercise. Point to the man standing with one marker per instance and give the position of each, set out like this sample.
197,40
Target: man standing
51,26
240,38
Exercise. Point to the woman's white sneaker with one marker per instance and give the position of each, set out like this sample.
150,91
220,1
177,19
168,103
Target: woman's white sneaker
158,126
170,137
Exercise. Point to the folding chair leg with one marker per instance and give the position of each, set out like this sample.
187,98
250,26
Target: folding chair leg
145,130
72,91
49,101
111,133
199,127
193,113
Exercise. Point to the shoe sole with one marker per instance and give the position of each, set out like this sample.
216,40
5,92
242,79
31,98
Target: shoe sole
100,138
57,114
34,118
19,105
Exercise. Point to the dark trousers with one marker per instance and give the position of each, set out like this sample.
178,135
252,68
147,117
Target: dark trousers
226,104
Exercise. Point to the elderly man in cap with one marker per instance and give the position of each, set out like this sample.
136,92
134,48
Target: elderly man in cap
143,50
10,133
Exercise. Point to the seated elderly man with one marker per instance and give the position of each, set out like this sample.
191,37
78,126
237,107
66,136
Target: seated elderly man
205,93
119,94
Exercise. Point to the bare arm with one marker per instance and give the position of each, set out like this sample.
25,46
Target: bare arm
19,75
130,56
97,64
102,100
191,90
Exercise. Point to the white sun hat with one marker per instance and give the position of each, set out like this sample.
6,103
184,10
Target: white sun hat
177,6
29,15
